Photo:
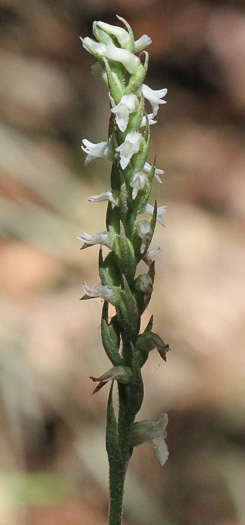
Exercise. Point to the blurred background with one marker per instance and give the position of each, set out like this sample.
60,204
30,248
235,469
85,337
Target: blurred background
53,466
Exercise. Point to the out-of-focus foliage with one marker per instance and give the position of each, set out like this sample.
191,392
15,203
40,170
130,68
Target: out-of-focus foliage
53,463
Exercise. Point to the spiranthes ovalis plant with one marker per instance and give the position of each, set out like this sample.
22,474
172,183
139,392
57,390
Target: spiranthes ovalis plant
121,63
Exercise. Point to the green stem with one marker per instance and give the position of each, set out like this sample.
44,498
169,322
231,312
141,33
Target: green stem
117,478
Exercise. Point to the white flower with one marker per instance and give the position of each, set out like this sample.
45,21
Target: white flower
147,168
153,433
129,147
94,151
141,43
137,183
108,195
105,292
154,96
98,238
150,120
126,106
109,50
144,231
160,210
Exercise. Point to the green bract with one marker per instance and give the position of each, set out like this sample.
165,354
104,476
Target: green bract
128,239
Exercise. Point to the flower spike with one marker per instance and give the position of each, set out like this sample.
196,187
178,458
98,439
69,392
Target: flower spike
121,62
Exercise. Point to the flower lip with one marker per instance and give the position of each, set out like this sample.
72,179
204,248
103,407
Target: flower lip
126,106
129,147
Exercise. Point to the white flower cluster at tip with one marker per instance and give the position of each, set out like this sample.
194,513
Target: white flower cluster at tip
122,111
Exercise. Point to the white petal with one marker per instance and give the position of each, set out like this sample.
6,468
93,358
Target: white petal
127,59
141,43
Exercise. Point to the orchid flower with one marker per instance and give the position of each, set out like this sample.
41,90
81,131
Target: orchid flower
153,433
94,151
147,168
109,195
128,148
122,111
160,211
137,183
145,233
154,96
